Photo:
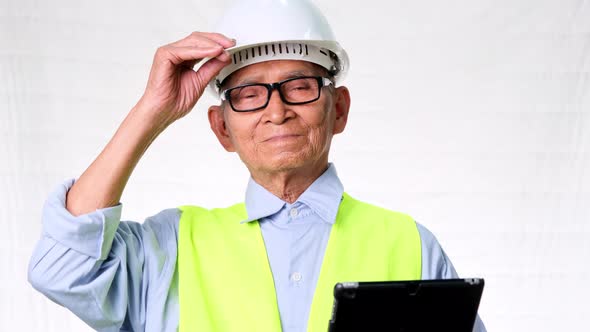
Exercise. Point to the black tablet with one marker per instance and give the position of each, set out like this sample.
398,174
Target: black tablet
409,306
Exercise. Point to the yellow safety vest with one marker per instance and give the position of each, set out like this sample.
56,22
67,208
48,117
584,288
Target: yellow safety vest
225,281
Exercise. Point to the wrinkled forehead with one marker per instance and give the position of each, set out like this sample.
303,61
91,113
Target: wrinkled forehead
273,71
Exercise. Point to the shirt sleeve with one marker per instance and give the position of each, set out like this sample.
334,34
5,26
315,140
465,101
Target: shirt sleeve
437,265
100,267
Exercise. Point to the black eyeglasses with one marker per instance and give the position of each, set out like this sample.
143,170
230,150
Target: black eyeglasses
293,91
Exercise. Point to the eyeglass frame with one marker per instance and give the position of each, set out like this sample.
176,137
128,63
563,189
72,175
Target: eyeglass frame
270,87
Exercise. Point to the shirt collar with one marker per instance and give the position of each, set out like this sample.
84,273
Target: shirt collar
323,197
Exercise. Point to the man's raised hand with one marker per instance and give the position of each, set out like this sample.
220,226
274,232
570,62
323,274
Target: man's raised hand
173,86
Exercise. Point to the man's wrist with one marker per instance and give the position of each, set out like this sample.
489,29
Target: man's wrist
150,117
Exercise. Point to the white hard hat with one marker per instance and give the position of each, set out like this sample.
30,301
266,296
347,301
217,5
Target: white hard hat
279,30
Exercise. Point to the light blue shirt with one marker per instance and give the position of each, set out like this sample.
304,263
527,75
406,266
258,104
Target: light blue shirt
119,275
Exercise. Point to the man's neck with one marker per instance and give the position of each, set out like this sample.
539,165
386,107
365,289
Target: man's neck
288,185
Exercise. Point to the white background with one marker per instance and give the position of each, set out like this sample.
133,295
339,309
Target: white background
470,115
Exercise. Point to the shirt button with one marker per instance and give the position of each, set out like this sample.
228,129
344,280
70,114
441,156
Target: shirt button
293,213
296,276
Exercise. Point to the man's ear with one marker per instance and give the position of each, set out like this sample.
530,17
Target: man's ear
341,107
217,122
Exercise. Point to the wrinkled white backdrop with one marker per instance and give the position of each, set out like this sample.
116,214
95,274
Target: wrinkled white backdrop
473,116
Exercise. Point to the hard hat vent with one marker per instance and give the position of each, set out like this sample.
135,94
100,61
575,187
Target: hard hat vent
275,49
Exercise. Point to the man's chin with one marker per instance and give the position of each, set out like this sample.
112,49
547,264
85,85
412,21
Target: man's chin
283,162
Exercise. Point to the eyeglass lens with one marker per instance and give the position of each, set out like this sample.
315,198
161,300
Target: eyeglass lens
255,96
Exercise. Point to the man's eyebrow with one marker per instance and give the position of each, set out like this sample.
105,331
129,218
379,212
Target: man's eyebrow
246,80
288,75
298,73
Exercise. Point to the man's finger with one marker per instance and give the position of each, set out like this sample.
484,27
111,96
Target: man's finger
199,40
223,40
178,55
205,39
209,70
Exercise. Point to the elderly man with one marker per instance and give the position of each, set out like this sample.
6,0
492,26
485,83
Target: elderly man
268,264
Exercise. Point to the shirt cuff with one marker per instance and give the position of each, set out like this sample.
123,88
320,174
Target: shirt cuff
91,234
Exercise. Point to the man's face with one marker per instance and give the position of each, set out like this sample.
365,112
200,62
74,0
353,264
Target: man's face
281,137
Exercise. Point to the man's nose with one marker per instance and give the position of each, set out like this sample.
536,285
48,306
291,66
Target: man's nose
277,111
